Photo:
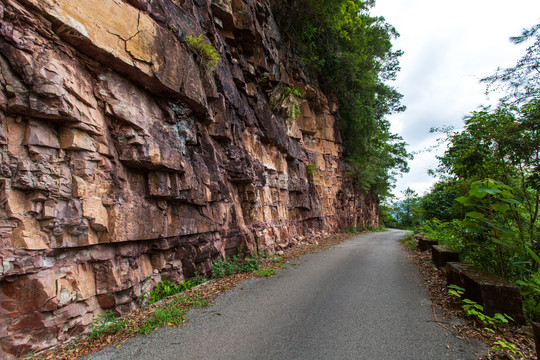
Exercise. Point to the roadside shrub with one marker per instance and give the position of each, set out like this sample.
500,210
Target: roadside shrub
235,265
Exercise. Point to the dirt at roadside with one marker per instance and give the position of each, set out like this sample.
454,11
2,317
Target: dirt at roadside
450,306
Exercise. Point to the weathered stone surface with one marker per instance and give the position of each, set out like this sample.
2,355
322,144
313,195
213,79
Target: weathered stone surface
441,254
73,139
425,243
124,161
39,134
121,36
494,293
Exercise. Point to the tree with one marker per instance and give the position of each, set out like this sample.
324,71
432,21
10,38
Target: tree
495,163
521,82
407,212
439,203
350,53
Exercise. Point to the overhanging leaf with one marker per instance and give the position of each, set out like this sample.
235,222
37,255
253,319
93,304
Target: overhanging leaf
500,207
506,231
505,243
475,215
464,200
533,255
487,190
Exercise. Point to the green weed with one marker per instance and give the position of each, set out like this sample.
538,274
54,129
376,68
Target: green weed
173,314
265,272
508,346
235,265
272,257
106,323
409,242
167,288
476,311
169,315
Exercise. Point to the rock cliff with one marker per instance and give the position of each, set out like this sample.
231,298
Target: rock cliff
124,160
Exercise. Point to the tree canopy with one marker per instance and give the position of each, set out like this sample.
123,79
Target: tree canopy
350,53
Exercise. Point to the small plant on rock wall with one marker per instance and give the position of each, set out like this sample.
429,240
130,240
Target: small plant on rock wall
206,53
287,101
311,169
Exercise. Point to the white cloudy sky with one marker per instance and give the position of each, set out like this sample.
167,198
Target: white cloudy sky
449,46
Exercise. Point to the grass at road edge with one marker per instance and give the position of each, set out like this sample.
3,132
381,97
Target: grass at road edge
171,311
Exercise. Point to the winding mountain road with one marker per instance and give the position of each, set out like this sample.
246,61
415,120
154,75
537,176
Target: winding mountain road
362,299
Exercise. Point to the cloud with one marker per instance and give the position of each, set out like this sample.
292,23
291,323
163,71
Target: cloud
449,47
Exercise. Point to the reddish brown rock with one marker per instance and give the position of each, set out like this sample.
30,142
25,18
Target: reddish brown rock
125,161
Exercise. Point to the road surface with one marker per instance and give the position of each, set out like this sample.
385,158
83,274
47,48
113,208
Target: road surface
362,299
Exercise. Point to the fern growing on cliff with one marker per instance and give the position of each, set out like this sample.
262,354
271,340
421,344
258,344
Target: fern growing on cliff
206,52
286,101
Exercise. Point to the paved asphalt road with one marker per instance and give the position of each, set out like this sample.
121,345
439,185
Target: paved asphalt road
362,299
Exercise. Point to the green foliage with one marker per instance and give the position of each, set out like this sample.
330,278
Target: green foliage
234,265
169,315
311,169
350,52
455,290
476,311
272,257
106,323
172,314
492,168
265,272
206,53
287,101
166,288
530,291
404,214
352,230
521,81
508,346
439,202
409,242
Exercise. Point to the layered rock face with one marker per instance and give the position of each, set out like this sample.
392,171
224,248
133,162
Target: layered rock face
124,160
